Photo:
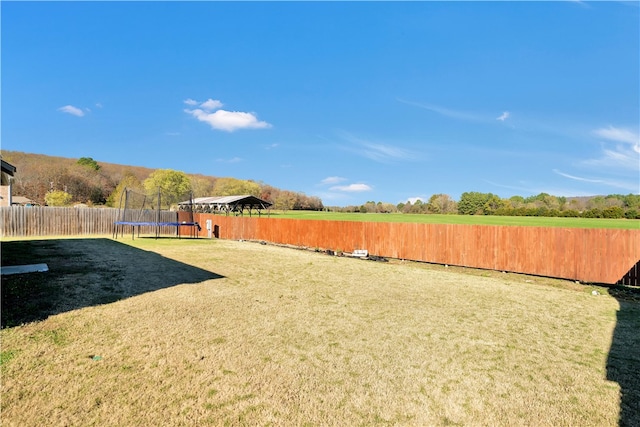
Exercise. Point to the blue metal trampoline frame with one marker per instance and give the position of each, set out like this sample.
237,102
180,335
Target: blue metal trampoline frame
118,226
195,227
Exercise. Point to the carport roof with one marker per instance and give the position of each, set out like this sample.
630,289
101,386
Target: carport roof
229,200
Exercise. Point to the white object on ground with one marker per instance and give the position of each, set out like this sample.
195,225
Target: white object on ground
19,269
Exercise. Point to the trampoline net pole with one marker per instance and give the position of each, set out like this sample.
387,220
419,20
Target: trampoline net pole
158,214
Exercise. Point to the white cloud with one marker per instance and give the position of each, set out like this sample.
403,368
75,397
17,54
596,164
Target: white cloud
467,116
504,116
221,119
231,160
581,3
229,120
447,112
352,188
211,104
625,154
331,180
619,135
626,185
377,151
70,109
381,152
577,178
413,200
621,156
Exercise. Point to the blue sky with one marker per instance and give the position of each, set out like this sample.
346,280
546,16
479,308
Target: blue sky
347,101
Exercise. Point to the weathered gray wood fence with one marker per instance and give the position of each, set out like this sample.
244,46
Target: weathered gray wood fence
26,221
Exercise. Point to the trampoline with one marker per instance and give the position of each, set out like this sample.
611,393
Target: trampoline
144,213
193,231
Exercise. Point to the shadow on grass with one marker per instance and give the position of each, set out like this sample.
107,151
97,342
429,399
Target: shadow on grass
623,364
83,273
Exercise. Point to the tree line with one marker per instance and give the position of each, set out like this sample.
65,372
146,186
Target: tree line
59,181
543,204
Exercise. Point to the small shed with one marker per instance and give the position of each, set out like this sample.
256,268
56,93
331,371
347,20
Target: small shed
22,201
226,204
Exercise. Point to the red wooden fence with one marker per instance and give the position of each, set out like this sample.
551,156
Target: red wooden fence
588,255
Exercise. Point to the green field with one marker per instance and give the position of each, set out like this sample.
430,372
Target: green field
532,221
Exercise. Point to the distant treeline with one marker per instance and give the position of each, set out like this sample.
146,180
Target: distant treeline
543,204
61,181
64,181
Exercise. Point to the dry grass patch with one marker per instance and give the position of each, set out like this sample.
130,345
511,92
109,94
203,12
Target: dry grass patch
288,337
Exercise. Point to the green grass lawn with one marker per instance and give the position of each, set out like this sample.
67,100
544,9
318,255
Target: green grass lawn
463,219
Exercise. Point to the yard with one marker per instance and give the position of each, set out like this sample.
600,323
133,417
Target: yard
220,332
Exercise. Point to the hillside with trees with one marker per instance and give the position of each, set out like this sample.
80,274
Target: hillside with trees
61,181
